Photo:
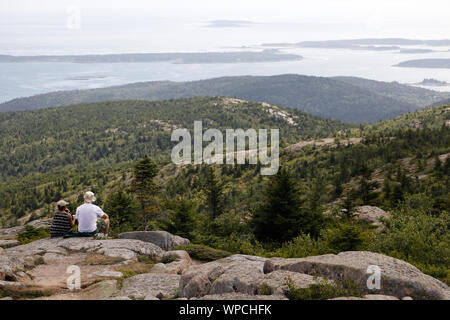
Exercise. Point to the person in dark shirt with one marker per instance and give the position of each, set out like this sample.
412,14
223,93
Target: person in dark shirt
63,221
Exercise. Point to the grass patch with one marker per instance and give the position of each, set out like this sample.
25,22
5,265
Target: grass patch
145,259
265,290
31,234
322,290
24,293
168,259
134,269
204,253
95,259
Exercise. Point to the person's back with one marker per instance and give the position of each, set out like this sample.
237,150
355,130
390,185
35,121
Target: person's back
62,221
87,215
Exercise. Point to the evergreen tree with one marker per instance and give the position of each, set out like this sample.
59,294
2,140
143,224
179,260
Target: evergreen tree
214,193
366,189
145,188
183,221
122,211
281,217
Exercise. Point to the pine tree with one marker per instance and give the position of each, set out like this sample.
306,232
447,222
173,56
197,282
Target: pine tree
214,193
366,190
145,188
182,222
122,211
281,217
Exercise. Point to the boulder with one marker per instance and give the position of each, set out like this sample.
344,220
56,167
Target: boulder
155,284
398,278
182,261
106,274
101,290
238,274
104,290
162,239
197,281
126,249
118,298
177,254
368,297
379,297
9,266
8,243
241,296
371,214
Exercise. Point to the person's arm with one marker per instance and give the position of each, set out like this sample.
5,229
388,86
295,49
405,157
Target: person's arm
106,218
71,220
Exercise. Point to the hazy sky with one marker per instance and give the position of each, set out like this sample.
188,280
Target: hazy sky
179,24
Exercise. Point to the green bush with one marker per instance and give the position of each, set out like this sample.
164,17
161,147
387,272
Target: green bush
322,290
302,246
31,234
204,253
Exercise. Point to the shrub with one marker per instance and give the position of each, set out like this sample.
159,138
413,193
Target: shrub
345,237
322,290
31,234
204,253
168,259
302,246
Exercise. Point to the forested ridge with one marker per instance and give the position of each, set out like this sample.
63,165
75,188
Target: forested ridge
343,98
96,134
400,165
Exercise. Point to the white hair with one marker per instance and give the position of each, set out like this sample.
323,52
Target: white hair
89,197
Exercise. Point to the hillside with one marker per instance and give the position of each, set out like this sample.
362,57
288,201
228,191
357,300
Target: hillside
397,170
413,95
105,133
346,99
430,118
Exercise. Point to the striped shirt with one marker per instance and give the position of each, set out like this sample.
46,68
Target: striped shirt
60,225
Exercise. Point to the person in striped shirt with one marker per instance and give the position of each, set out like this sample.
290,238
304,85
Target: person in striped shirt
63,221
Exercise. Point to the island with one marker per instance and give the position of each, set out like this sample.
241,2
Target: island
425,63
269,55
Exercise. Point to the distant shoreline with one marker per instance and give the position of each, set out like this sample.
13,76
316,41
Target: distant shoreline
425,63
177,58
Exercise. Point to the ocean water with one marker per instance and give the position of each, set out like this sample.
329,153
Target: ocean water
26,79
39,34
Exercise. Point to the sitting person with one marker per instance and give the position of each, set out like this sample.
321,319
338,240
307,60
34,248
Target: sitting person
87,215
62,220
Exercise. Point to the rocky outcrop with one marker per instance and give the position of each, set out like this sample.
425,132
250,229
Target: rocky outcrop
398,278
371,214
162,239
104,265
241,296
368,297
11,233
8,243
237,274
151,284
181,261
126,249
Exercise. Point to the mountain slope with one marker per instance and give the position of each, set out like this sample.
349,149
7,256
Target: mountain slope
325,97
430,118
413,95
106,133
